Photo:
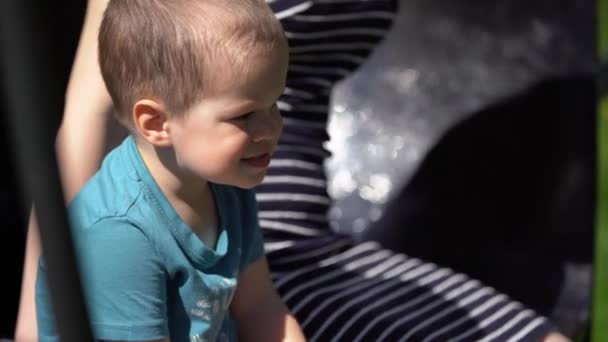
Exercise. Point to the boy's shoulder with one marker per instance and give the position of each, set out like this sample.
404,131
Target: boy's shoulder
110,193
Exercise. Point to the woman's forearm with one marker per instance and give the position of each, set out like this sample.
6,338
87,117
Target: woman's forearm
26,329
81,138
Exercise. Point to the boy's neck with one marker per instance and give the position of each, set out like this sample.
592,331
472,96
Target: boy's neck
190,196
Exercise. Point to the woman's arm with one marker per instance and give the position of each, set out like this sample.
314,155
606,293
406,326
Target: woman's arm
82,135
26,329
81,143
258,310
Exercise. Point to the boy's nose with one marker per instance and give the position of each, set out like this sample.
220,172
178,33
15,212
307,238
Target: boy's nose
267,128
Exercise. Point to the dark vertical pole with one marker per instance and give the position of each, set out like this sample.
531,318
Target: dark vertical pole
30,75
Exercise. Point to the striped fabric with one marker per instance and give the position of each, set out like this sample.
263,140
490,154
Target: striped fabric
340,291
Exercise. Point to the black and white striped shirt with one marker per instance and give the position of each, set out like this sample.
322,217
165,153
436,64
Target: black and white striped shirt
340,291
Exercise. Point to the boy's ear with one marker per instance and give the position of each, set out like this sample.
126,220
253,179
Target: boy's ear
150,118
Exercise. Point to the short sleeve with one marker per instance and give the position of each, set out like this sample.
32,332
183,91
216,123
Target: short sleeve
124,282
253,239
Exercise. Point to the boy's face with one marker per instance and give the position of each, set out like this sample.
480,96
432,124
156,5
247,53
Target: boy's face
229,136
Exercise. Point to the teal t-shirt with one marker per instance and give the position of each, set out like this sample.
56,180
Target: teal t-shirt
146,274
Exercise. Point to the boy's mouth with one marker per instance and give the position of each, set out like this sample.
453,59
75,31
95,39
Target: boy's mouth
259,161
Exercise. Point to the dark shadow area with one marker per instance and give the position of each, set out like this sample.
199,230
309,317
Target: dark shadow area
63,24
12,243
507,195
603,79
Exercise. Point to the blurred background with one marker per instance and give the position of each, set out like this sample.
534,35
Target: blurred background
468,139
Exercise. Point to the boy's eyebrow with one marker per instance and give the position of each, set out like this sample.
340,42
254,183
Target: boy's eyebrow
246,104
239,108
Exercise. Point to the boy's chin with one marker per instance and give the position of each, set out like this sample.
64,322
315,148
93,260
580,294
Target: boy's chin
247,186
250,182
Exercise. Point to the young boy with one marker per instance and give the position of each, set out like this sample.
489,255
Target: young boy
166,232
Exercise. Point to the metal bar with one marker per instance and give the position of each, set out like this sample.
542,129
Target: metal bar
28,68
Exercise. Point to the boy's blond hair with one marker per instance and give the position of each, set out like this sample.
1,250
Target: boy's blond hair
171,50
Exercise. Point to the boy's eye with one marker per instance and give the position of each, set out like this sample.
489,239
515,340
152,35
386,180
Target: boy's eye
244,116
